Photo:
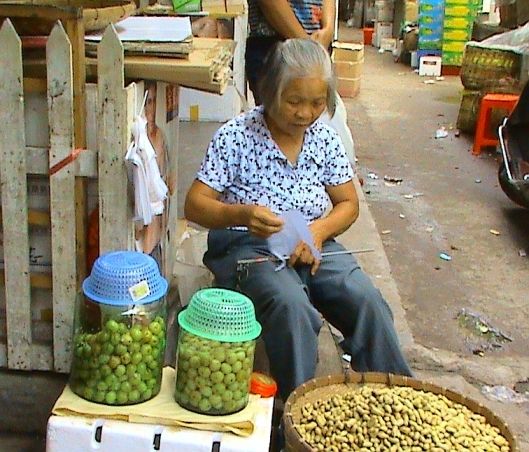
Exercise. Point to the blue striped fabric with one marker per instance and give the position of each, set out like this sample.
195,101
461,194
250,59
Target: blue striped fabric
308,13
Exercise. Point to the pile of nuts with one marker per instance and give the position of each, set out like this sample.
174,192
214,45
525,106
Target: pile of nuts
376,418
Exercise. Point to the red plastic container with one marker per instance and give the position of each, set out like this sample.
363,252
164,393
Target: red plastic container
368,35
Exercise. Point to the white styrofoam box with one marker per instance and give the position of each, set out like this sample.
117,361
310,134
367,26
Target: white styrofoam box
430,66
215,107
388,44
382,30
80,434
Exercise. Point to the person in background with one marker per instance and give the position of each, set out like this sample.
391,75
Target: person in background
275,20
276,158
150,235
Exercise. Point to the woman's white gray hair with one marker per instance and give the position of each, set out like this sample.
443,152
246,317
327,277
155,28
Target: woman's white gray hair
291,59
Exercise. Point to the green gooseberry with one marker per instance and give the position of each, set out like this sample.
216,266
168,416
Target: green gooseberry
227,396
219,388
112,326
155,328
136,333
217,377
103,359
100,396
114,362
147,335
110,397
219,354
134,347
120,350
115,338
120,370
183,398
204,405
125,386
192,373
225,368
236,366
231,358
229,378
125,358
105,370
204,372
136,358
122,397
102,386
126,339
153,365
147,394
134,395
206,391
215,365
216,401
108,348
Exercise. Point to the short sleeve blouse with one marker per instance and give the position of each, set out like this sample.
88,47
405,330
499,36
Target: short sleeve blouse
245,165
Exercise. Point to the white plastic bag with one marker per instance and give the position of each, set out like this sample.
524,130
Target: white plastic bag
339,123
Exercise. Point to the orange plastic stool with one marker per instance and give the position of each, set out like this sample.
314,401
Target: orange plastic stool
489,103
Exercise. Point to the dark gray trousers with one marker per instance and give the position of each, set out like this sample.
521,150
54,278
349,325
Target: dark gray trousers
288,304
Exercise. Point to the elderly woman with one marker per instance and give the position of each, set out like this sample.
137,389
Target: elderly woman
272,159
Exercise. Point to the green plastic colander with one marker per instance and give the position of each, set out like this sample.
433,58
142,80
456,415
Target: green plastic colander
220,315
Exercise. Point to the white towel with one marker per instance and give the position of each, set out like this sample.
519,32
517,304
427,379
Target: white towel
150,190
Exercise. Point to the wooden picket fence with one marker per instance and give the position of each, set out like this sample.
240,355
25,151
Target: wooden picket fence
114,114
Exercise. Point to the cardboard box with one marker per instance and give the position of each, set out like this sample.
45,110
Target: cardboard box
348,51
430,66
348,69
382,30
411,11
348,87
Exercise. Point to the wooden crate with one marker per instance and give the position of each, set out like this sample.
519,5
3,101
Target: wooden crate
19,348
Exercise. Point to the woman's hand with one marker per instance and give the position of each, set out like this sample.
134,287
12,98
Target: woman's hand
262,222
302,255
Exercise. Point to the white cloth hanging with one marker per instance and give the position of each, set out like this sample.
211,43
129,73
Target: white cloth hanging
150,190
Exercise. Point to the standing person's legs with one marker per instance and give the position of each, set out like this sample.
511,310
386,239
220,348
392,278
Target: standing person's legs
346,297
256,50
290,323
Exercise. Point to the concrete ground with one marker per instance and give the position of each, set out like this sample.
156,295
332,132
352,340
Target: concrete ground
394,120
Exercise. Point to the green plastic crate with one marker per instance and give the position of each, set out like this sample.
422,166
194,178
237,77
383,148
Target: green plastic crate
457,34
452,58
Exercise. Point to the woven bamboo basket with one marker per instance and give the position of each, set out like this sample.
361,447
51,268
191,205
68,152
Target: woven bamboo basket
469,109
325,387
490,69
97,14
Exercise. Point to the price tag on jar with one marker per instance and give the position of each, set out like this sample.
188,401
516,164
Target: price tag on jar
139,291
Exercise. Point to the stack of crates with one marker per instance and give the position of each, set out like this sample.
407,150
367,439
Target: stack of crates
431,14
459,16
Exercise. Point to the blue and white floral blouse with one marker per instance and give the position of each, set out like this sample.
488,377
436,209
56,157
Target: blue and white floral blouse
246,166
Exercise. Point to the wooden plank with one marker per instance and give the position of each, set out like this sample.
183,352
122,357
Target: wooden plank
36,280
14,201
41,12
41,357
38,162
115,227
62,194
75,30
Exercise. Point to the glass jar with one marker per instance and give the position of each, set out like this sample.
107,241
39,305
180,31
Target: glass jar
120,331
215,352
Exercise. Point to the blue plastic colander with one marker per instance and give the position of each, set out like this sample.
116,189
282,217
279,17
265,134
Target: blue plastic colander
115,272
